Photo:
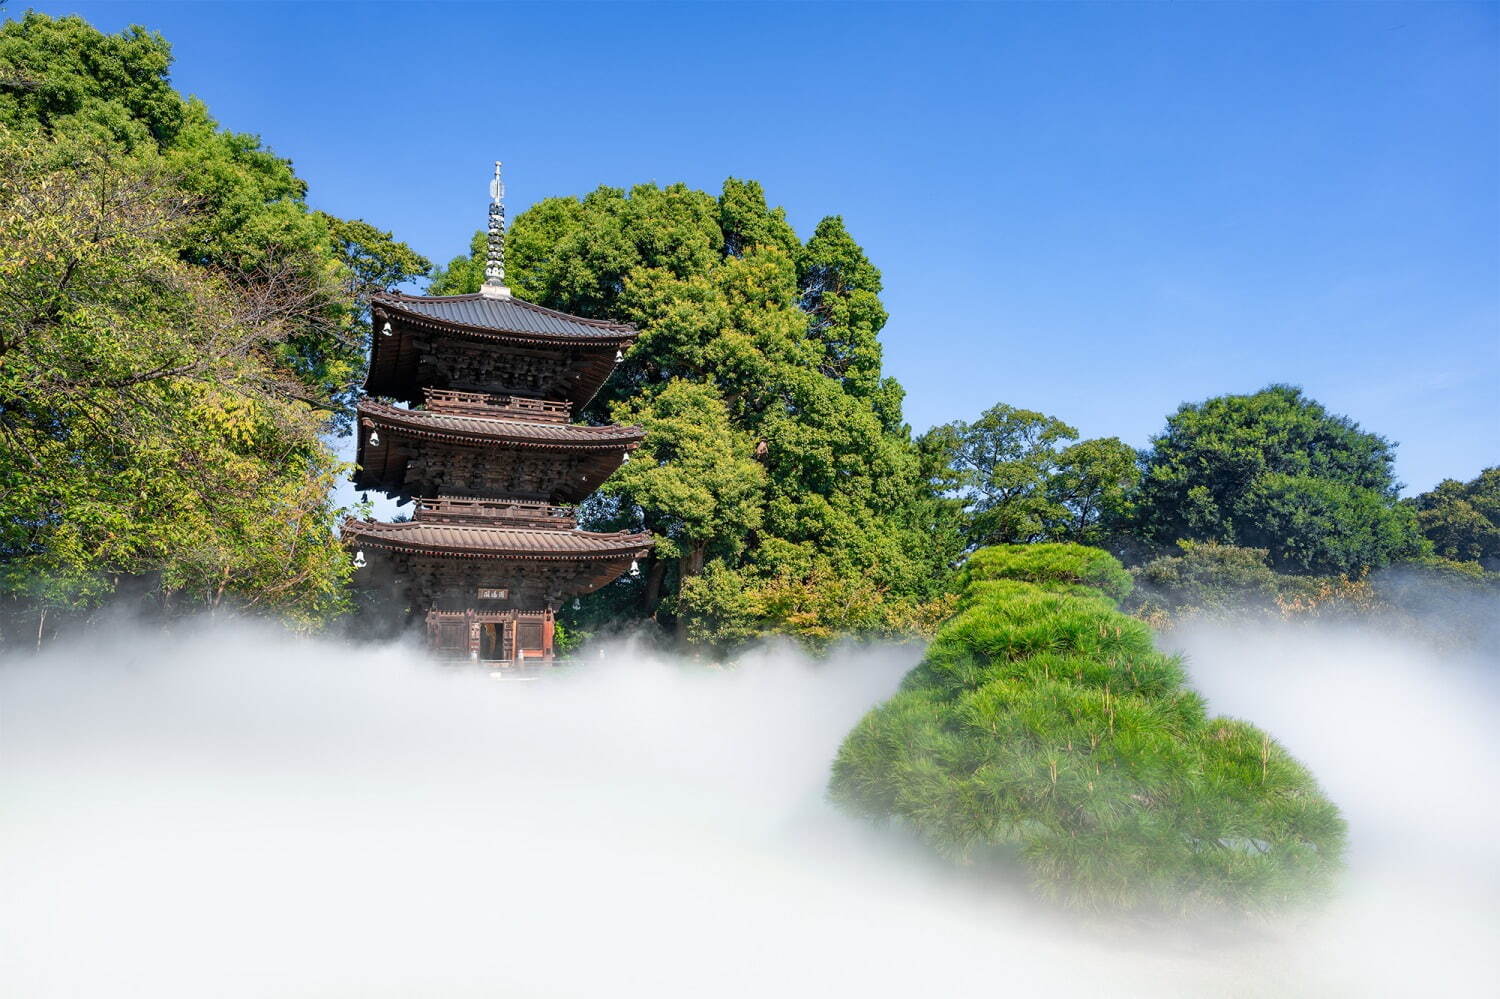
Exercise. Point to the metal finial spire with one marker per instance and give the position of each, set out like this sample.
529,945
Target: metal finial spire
494,263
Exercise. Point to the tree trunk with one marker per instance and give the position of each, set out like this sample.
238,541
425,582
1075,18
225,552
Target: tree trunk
692,563
654,576
687,567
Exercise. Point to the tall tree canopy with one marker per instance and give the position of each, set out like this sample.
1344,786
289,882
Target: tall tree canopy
177,332
778,462
1275,470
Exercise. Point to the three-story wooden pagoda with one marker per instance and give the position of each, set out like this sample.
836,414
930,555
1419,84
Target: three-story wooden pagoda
479,433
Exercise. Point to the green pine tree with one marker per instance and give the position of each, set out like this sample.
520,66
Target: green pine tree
1044,732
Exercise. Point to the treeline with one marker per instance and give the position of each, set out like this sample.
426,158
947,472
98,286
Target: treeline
1258,504
792,499
181,336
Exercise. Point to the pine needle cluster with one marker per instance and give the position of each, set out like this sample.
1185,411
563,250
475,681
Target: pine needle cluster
1044,730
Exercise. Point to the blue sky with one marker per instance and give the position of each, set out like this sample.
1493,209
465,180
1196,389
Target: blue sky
1098,211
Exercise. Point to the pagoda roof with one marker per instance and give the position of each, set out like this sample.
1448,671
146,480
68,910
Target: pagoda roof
490,430
508,317
469,541
421,341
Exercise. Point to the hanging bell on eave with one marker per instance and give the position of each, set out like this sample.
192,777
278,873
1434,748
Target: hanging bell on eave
385,330
374,438
625,457
619,356
577,603
635,568
359,559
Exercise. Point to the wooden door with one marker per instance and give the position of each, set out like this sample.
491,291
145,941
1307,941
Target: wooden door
449,637
531,639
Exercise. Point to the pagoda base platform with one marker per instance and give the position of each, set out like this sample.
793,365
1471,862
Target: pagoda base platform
512,638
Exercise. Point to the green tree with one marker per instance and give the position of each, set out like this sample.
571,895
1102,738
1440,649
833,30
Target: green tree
65,82
1018,484
1275,470
177,333
1000,465
778,339
1043,731
695,473
1462,519
840,289
147,430
1093,484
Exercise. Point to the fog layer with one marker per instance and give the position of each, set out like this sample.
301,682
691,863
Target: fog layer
232,812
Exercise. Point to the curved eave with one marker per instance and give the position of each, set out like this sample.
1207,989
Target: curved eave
393,363
500,544
603,336
521,338
599,331
485,431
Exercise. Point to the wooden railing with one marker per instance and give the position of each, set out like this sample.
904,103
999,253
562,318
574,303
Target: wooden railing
509,406
512,513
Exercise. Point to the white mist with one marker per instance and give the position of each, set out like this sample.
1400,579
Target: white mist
231,812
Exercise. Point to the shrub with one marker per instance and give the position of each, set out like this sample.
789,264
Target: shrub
1044,729
722,609
1440,602
1206,576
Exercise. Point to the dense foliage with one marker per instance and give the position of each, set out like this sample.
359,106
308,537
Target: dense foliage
1225,581
1205,575
1462,519
177,331
1275,470
786,491
1044,730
